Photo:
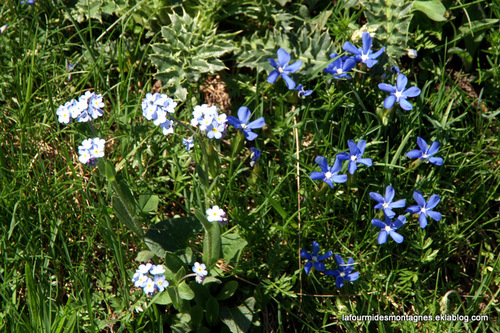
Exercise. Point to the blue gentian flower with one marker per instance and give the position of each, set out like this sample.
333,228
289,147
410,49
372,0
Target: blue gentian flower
242,124
254,156
302,92
424,209
425,153
283,69
355,156
399,93
328,175
343,271
364,54
385,203
340,66
395,70
313,259
27,2
389,227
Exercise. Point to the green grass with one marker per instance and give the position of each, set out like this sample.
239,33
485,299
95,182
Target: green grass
66,259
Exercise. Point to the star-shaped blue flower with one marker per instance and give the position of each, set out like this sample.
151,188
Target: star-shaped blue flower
343,271
355,156
242,124
364,54
283,69
425,153
388,228
385,203
313,259
302,92
424,209
328,175
254,156
399,93
340,66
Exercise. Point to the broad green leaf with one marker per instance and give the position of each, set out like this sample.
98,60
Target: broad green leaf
228,290
172,234
185,292
212,311
144,256
148,203
232,246
125,217
434,9
239,319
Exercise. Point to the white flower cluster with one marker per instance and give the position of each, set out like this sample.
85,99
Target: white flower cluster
87,107
90,150
150,278
209,120
155,107
215,214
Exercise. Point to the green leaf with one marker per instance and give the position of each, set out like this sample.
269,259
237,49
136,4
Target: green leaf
173,264
185,292
196,316
163,298
434,9
232,246
212,311
212,245
202,175
239,319
464,55
125,216
172,234
227,290
144,256
148,203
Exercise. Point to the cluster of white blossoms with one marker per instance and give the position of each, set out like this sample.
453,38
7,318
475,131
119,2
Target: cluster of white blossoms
215,214
155,107
90,150
87,107
150,278
209,120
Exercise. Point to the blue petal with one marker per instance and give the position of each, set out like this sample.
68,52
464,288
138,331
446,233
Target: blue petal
397,237
349,64
317,175
343,156
389,213
433,201
421,144
434,148
382,237
422,219
244,114
367,42
352,277
234,121
413,209
361,146
273,76
289,82
325,256
389,102
435,215
389,193
294,67
339,260
307,267
329,182
339,282
352,167
370,62
401,82
398,204
353,149
387,88
304,254
377,197
283,57
273,62
414,153
258,123
339,178
322,163
405,105
378,223
337,165
378,53
319,266
399,222
249,135
436,160
419,198
351,48
331,272
365,161
315,247
412,92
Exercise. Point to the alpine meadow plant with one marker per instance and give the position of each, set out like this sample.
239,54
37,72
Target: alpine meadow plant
327,174
389,227
425,152
241,123
344,272
385,203
364,53
313,259
340,66
399,93
150,278
424,209
90,150
355,155
283,69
